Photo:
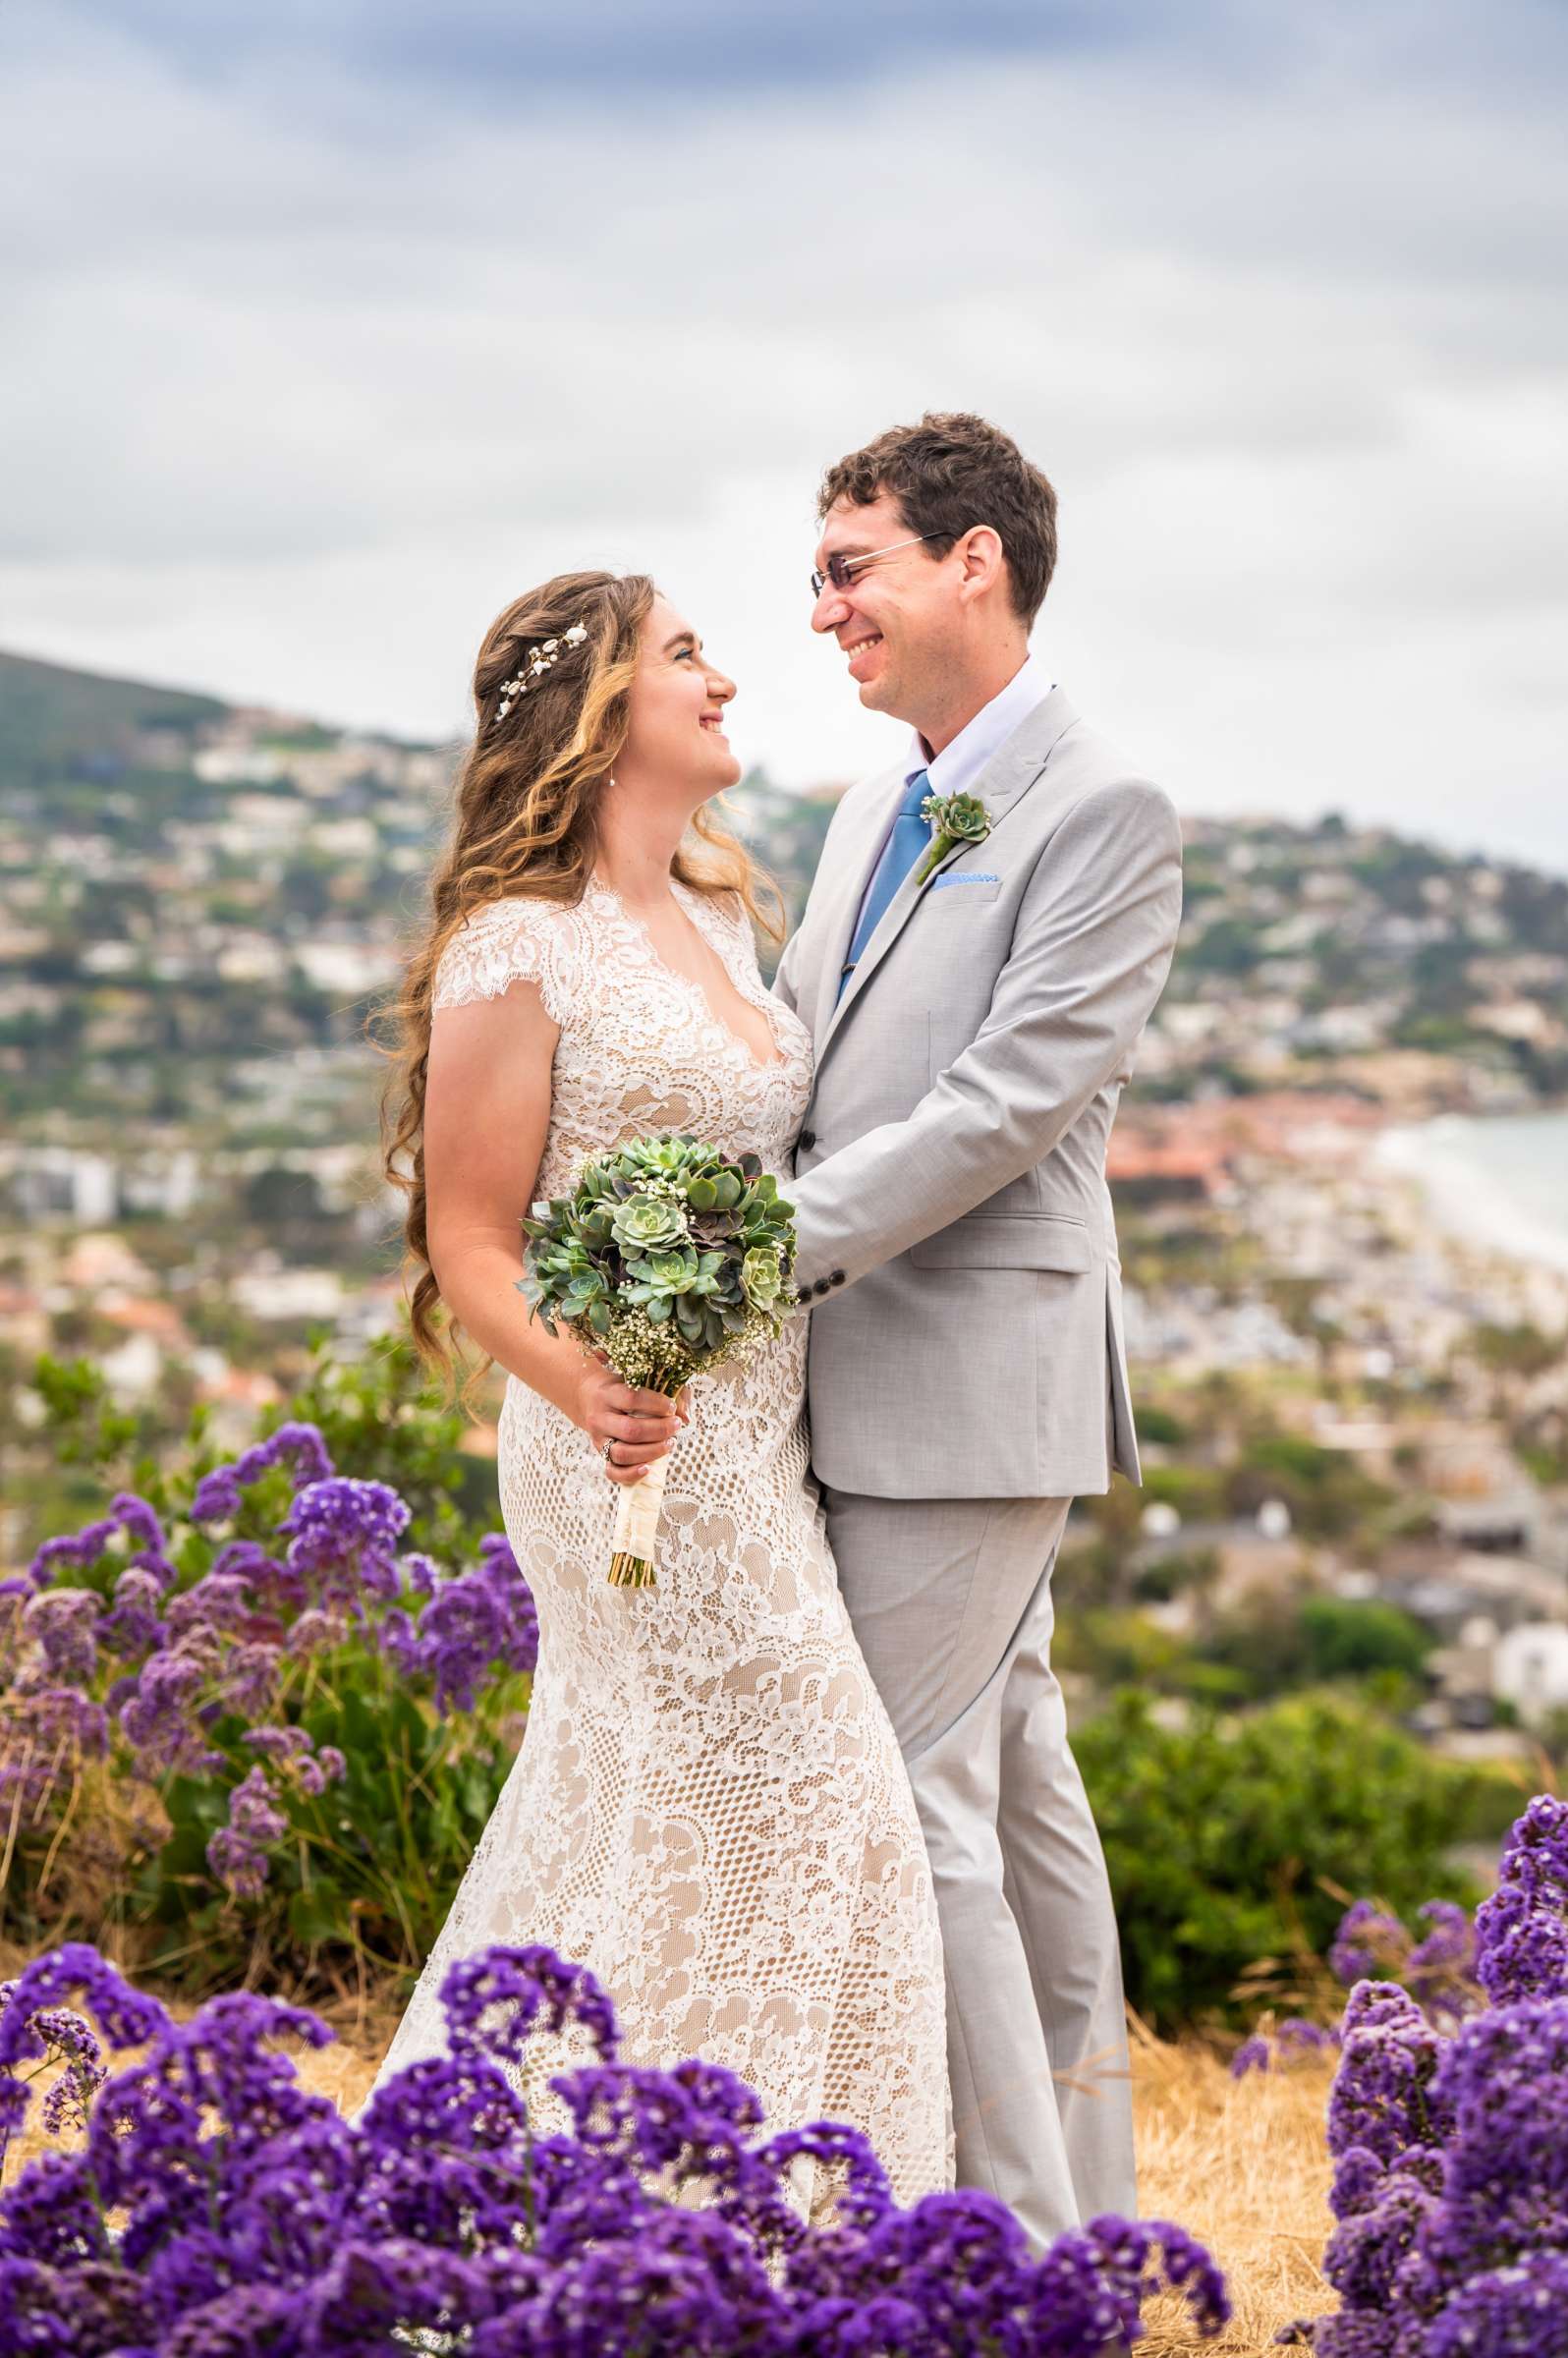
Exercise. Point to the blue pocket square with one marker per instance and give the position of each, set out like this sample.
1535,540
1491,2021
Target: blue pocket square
962,876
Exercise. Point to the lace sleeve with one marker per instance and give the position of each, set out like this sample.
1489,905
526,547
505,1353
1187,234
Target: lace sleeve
512,942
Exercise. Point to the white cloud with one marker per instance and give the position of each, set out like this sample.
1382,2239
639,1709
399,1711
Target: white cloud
303,410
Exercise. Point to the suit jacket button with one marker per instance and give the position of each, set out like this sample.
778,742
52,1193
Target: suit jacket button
820,1287
807,1140
837,1277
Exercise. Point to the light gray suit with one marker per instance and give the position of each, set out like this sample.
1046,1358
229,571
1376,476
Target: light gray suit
967,1379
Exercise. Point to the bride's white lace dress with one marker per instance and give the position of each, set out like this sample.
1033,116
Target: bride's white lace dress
709,1807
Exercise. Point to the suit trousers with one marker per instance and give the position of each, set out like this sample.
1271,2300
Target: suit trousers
951,1602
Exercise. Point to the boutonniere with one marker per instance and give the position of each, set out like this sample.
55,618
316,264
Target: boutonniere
954,818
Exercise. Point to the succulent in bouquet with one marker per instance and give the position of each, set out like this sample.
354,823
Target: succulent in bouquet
670,1259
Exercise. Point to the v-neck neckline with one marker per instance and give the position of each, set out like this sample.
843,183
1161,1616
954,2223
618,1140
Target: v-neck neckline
686,899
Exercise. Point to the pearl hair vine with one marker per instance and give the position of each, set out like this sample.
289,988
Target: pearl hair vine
535,663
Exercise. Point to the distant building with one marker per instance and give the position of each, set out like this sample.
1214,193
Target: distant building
1530,1668
65,1183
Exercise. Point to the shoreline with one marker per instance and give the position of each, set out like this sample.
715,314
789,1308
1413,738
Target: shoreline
1477,1195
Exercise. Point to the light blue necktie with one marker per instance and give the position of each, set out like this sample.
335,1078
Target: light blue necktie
910,836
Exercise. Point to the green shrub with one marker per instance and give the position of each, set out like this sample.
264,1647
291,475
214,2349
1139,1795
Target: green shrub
1223,1837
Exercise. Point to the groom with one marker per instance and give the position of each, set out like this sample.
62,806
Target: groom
974,1026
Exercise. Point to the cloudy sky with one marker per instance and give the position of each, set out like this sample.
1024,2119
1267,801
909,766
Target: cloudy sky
342,323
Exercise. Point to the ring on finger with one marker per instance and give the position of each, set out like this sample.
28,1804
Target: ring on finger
609,1452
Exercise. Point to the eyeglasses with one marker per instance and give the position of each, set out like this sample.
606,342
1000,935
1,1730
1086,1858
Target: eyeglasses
841,571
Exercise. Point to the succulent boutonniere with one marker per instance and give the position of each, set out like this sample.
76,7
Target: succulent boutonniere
954,819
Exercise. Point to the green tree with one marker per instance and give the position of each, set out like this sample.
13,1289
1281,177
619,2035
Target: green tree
1348,1639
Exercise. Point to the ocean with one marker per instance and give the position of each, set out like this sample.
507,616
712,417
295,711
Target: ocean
1496,1179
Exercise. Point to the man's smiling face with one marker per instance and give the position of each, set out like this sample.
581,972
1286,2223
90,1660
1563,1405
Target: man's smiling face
896,620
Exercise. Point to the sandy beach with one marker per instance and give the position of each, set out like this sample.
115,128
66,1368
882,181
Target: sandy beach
1498,1181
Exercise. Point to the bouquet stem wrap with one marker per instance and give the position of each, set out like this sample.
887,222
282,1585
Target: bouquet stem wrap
636,1528
667,1259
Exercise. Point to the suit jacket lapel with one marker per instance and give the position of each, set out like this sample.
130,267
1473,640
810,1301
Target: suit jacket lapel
1011,771
845,892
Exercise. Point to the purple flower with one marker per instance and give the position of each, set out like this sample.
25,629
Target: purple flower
1294,2039
63,1624
236,1852
218,1494
272,1583
344,1538
1451,2151
277,1743
253,1810
160,1719
57,2035
1370,1944
133,1626
316,1631
138,1521
292,1748
14,1595
472,1622
237,1864
419,1573
44,1735
83,1548
125,2017
219,1601
493,2001
1522,1930
1520,2310
251,1676
1382,2097
317,1771
252,2220
463,1629
1307,2038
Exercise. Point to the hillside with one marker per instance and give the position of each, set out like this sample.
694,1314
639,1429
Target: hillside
59,724
201,901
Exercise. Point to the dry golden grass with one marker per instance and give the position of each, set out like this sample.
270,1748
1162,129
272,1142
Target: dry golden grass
1240,2163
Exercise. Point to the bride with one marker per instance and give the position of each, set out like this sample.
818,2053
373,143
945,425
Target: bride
709,1808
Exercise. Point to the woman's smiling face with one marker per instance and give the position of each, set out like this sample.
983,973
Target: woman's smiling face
677,701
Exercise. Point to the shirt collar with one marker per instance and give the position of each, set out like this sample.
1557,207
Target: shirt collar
956,768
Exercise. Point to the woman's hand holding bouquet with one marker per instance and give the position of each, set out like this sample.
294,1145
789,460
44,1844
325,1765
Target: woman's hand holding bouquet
667,1259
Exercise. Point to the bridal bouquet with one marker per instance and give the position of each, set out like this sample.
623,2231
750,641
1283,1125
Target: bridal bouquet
670,1260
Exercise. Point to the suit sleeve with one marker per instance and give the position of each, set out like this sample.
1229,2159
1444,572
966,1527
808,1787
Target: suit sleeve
786,980
1096,934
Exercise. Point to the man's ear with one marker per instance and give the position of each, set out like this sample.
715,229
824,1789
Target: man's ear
984,562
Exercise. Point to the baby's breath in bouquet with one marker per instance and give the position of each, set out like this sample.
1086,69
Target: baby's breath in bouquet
670,1260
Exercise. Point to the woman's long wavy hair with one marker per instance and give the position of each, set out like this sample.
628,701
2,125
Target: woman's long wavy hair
525,825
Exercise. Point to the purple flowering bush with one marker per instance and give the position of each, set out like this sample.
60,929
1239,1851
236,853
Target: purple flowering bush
210,2207
1438,1969
1449,2132
254,1727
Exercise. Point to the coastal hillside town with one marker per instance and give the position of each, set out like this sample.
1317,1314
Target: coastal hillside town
203,905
